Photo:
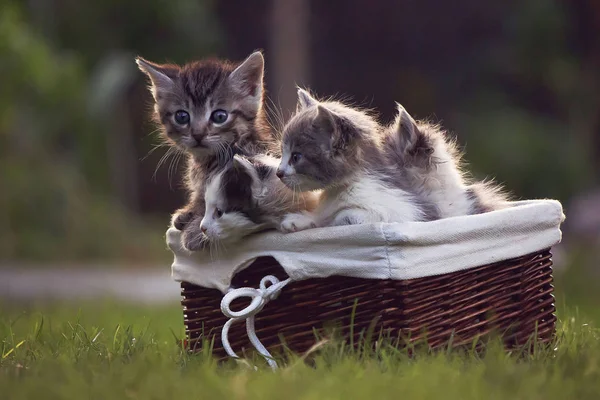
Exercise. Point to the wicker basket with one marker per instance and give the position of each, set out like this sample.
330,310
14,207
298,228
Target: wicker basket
513,298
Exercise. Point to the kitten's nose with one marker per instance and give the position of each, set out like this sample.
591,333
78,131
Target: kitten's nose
203,229
279,173
198,137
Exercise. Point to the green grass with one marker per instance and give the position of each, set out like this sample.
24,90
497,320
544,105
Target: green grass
112,351
109,351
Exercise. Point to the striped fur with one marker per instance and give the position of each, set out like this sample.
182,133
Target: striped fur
200,89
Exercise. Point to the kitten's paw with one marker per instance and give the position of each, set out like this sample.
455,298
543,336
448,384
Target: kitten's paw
351,217
181,219
296,222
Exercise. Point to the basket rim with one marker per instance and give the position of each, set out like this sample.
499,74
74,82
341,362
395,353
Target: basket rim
394,251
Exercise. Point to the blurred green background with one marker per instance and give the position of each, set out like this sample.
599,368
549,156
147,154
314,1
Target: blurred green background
517,81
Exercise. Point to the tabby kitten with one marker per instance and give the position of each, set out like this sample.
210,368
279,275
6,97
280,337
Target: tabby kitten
210,110
328,145
431,163
247,197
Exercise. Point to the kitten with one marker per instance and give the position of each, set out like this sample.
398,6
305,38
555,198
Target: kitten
247,197
328,145
210,110
431,163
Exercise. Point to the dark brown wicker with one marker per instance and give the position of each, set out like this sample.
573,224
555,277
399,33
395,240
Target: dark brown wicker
512,298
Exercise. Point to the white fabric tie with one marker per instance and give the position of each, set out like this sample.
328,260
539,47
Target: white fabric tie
260,297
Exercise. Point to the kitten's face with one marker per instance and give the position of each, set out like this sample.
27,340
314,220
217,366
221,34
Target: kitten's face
231,211
206,107
310,159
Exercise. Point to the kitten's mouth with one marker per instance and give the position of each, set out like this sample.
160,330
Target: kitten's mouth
198,145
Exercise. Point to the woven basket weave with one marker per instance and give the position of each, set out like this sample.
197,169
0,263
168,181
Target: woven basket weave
513,298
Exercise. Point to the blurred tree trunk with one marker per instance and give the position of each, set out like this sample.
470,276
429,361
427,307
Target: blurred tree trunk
123,158
289,50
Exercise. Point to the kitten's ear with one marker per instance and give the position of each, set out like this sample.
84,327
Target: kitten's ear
247,79
325,122
241,166
407,132
237,184
238,164
305,100
242,173
161,76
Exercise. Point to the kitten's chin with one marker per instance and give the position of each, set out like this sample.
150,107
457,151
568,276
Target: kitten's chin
302,185
200,151
223,150
218,235
224,239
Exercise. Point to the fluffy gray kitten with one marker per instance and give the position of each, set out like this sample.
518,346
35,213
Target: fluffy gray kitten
247,197
430,161
339,149
209,110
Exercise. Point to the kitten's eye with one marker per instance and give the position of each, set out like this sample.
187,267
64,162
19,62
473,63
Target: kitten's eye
182,117
218,213
219,117
296,157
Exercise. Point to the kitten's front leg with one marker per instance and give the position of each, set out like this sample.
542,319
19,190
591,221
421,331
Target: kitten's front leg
295,222
351,216
193,238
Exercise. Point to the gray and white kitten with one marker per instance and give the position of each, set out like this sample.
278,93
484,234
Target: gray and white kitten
328,145
209,110
248,197
431,162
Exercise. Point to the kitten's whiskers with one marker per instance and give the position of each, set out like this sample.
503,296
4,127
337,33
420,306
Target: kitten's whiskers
153,149
171,151
173,167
